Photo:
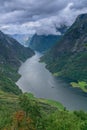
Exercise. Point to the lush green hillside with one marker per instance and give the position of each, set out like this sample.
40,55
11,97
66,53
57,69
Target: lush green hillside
29,113
12,54
68,58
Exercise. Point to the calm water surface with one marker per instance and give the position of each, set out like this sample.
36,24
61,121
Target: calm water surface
35,78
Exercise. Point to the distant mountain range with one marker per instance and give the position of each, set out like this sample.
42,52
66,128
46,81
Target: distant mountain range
22,38
42,43
68,58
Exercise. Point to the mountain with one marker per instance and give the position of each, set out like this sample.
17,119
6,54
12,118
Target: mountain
68,58
12,54
24,111
11,51
42,43
22,38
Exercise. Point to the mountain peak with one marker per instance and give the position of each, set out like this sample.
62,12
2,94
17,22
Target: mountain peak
82,18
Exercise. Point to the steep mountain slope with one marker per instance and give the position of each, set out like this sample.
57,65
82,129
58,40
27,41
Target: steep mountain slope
11,56
42,43
22,38
11,51
68,58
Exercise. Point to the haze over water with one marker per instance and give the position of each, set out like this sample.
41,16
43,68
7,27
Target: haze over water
35,78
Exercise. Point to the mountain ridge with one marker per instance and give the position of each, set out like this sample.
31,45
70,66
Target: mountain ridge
11,56
68,57
43,42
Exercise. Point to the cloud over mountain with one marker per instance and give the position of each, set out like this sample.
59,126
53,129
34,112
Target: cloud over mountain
30,16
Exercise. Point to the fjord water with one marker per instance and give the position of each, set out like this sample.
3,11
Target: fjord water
35,78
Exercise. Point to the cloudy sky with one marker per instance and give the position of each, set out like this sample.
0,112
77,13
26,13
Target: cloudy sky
41,16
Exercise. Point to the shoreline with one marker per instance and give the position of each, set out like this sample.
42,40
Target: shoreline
64,99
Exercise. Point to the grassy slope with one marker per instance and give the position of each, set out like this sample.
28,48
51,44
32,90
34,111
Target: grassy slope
53,118
10,101
9,104
49,102
82,85
8,85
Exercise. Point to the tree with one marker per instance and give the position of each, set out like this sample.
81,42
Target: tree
32,110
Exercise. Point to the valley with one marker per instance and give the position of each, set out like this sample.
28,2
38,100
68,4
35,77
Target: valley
43,65
35,78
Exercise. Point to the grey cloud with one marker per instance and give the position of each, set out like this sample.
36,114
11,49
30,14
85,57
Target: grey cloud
30,8
48,13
